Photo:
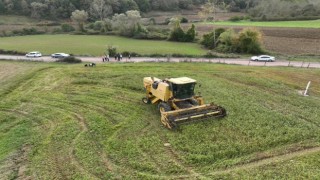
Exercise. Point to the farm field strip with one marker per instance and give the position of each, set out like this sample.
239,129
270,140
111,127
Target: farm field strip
90,122
96,45
283,24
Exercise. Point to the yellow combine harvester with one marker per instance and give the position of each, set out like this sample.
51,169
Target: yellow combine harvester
177,102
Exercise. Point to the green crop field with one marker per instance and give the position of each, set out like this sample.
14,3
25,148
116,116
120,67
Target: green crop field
10,19
62,121
292,24
96,45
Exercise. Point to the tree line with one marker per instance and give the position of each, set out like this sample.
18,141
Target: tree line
98,9
63,8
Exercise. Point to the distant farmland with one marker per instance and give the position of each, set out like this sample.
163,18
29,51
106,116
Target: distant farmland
70,122
278,39
291,24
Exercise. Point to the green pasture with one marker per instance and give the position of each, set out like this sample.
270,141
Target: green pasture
61,121
96,45
11,19
291,24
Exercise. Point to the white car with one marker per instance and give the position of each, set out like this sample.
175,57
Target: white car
263,58
34,54
59,55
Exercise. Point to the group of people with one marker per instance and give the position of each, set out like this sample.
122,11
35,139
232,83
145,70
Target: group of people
105,58
117,57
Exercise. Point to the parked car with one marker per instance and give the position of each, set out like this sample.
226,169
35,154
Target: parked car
34,54
59,55
263,58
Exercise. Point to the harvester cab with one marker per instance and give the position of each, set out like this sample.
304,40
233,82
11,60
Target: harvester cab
177,101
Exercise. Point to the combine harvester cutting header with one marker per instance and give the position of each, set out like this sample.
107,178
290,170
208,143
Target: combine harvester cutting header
177,102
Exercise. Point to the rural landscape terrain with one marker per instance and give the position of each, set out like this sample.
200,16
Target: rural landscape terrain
64,120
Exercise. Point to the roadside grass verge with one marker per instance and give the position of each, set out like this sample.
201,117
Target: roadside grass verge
90,123
291,24
96,45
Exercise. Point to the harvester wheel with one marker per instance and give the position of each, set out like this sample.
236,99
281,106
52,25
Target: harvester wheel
194,102
164,107
146,100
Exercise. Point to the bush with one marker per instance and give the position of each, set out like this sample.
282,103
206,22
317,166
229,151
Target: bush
11,52
70,59
236,18
184,20
250,41
177,34
190,35
211,40
132,54
247,41
112,51
98,26
27,31
228,41
67,28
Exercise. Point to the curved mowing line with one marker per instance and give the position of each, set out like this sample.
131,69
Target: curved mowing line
267,161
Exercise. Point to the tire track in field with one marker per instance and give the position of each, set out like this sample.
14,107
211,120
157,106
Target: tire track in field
72,153
177,160
83,129
172,155
18,162
267,161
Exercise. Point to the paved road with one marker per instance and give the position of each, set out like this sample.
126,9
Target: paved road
245,62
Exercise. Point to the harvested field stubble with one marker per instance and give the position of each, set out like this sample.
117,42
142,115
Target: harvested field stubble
90,123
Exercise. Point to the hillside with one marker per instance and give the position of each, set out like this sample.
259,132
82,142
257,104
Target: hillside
70,122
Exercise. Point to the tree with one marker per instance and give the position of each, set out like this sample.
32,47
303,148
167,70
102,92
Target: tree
25,7
228,41
80,17
99,9
38,9
190,35
208,40
177,34
250,41
126,23
144,5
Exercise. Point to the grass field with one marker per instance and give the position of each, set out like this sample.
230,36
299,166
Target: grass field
291,24
5,19
70,122
96,45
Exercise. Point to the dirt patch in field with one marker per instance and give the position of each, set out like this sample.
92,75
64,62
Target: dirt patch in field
16,165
